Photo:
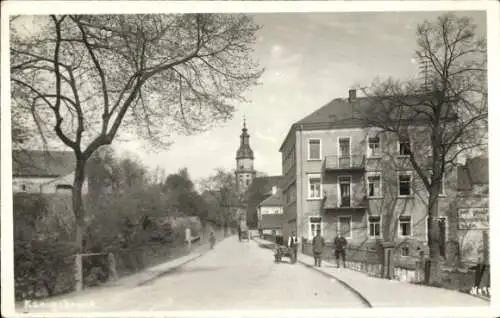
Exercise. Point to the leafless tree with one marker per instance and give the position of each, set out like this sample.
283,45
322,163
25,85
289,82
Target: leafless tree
444,114
82,79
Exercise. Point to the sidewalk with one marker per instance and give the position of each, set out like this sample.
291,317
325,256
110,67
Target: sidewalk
378,292
148,274
127,282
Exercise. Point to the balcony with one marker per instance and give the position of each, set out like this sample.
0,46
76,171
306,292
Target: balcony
356,200
337,163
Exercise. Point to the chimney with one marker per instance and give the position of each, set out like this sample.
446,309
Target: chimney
275,189
352,95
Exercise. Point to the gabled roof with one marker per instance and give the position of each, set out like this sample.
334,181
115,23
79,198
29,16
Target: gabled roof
345,113
258,191
262,185
474,172
36,163
273,200
271,221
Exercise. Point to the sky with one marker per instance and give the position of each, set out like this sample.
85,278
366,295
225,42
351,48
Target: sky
310,59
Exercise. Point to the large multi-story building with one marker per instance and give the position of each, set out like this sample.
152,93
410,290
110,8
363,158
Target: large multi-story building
340,175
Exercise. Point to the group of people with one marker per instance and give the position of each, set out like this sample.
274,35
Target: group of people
318,246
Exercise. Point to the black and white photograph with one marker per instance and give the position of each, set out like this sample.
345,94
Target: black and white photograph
211,159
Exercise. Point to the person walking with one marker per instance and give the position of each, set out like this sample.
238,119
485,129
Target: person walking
340,244
318,245
212,240
292,244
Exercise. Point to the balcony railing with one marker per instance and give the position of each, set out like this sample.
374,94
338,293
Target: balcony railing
333,163
331,201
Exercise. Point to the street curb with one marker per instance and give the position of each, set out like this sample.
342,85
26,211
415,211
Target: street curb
365,301
346,285
176,267
169,270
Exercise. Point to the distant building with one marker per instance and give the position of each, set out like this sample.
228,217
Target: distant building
270,213
251,188
259,190
245,172
46,172
340,176
473,212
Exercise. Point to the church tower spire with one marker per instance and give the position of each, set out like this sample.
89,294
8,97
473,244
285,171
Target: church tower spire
244,161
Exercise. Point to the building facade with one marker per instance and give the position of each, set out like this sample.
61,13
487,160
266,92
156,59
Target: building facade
473,210
340,176
270,214
44,172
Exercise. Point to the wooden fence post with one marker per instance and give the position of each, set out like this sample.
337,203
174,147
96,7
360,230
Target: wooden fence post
78,272
113,274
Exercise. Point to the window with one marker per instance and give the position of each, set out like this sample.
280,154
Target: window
314,226
314,149
345,191
405,226
374,226
374,147
404,182
344,226
405,251
276,211
344,147
374,186
404,148
314,187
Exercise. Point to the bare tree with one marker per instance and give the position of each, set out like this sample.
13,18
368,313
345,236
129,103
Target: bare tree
444,114
81,78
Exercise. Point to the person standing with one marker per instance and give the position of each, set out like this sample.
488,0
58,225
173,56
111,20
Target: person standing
318,245
292,244
340,244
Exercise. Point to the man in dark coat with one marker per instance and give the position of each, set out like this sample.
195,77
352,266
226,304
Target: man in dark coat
318,245
292,244
340,244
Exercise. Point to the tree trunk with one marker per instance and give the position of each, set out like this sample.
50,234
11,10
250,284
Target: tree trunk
433,236
79,211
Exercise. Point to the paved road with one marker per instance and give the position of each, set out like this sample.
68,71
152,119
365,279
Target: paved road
232,276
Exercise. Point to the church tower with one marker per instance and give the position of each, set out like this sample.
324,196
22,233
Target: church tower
244,162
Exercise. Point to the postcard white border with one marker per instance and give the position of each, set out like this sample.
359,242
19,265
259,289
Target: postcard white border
101,7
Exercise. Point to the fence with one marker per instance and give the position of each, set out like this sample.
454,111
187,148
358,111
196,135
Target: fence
468,278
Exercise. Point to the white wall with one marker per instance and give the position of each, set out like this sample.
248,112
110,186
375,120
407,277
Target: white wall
44,185
29,184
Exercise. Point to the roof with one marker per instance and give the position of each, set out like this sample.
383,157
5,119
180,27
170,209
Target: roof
273,200
474,172
37,163
257,192
244,151
271,221
345,113
262,185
